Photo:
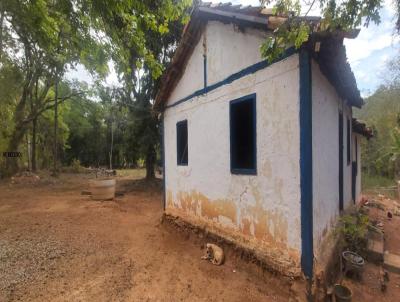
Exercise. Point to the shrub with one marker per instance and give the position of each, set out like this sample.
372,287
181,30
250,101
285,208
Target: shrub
354,228
76,166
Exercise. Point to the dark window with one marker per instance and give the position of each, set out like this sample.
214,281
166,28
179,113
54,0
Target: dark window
243,135
348,142
182,143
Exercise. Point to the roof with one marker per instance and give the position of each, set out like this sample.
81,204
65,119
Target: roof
361,128
331,56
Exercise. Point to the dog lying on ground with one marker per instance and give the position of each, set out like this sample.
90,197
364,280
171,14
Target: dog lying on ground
214,254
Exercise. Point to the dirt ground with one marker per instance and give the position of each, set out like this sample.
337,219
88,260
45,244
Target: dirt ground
369,288
59,245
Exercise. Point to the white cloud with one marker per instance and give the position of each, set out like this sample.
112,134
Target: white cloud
372,38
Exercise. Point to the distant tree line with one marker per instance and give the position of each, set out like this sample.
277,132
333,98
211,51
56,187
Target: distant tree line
53,121
381,154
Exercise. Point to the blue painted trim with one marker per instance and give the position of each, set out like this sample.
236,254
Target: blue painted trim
306,164
233,77
341,161
253,99
348,141
163,159
205,70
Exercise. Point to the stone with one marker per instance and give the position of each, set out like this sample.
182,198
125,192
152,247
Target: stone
392,263
375,250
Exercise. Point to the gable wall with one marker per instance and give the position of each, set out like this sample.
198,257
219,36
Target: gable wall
227,49
192,78
262,211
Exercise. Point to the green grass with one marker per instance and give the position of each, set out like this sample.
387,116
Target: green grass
378,184
376,181
132,173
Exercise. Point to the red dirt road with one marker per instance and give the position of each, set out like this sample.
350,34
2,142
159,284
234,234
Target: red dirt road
57,245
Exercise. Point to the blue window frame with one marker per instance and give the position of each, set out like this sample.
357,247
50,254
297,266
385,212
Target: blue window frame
243,135
348,142
182,143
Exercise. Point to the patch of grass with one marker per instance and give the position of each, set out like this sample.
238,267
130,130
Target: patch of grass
376,181
378,184
132,173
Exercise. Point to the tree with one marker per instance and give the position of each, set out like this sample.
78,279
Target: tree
336,15
51,35
143,36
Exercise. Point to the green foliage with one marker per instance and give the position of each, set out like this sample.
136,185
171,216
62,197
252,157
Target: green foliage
129,25
370,182
353,230
40,39
76,166
336,15
381,154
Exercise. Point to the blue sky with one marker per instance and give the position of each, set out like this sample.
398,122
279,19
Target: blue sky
367,54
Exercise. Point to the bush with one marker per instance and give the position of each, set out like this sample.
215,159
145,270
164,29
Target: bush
354,228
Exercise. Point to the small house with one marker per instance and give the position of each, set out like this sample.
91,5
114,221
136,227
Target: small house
264,154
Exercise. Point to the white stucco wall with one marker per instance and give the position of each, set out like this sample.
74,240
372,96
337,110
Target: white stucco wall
193,76
357,154
262,211
229,49
326,107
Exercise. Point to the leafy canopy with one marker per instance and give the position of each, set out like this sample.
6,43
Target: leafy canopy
336,15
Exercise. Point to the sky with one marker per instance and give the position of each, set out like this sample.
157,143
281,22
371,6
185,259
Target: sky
367,54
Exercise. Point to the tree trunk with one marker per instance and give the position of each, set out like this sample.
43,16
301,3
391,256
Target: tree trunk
55,128
18,133
28,149
1,29
150,162
34,124
111,146
13,145
33,153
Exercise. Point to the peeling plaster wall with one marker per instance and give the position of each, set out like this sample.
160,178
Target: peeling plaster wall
230,49
326,107
262,211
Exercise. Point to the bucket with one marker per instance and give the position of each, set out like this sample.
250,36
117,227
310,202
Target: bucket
102,189
342,293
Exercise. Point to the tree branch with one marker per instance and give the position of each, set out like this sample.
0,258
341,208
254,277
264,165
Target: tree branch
49,105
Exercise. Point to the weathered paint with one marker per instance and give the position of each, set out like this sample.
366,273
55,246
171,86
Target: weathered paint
326,107
306,162
163,160
231,49
261,211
